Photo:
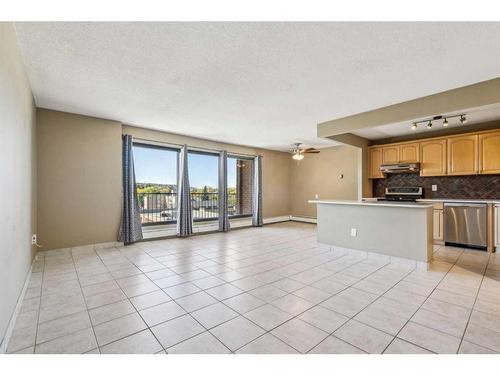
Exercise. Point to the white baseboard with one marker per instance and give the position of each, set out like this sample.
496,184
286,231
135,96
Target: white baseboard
304,219
12,322
275,219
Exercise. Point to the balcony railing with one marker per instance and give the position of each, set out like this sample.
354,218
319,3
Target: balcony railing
161,208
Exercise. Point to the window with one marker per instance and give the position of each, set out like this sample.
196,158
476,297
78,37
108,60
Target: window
239,186
204,183
156,170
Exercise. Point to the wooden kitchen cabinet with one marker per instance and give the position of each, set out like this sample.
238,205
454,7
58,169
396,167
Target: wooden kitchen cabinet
489,153
438,225
390,154
409,153
462,155
375,160
433,157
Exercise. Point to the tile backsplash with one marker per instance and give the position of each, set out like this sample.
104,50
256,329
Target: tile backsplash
452,187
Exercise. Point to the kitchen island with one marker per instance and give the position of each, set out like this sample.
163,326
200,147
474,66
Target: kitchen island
396,229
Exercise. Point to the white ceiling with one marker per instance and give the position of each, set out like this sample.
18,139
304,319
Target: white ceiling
259,84
474,116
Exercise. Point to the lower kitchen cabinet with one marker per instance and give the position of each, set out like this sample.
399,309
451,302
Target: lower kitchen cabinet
438,225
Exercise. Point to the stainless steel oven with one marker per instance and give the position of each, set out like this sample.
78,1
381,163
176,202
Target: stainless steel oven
465,224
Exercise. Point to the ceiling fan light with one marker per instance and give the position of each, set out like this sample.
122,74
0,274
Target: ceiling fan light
298,156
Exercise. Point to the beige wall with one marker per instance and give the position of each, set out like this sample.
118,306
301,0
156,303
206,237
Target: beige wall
17,174
275,166
79,179
79,176
319,174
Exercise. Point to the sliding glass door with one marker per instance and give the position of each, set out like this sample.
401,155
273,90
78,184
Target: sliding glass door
239,186
156,170
204,182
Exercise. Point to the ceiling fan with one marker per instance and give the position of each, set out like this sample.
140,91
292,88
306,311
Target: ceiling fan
298,153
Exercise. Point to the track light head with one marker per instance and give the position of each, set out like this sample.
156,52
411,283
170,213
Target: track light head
463,120
445,122
429,124
414,126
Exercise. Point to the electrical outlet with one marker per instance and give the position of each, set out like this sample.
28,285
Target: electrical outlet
434,188
354,232
33,239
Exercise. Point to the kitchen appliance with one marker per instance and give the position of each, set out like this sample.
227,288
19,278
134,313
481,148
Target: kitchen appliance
465,225
407,194
400,168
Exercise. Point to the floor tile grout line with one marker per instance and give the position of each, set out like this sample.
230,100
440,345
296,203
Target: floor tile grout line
352,318
85,302
303,261
318,304
475,301
265,302
39,308
436,287
148,328
450,303
261,272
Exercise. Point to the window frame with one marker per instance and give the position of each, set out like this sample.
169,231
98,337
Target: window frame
252,159
206,153
162,148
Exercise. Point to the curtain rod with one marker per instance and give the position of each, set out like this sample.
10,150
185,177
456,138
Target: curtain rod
193,147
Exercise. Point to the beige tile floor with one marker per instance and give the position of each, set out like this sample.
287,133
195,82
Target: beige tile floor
257,290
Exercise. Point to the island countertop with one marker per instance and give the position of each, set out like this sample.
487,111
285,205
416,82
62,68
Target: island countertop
373,203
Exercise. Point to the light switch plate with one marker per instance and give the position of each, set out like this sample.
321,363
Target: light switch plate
434,188
354,232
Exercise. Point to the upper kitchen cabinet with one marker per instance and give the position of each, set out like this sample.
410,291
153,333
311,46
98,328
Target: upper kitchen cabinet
409,153
401,153
489,153
390,154
462,155
433,157
375,160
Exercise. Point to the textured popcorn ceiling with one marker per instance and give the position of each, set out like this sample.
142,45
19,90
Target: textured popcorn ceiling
258,84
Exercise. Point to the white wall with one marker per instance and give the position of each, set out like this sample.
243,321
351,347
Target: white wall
17,174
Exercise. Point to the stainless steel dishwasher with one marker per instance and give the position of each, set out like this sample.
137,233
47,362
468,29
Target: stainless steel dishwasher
465,224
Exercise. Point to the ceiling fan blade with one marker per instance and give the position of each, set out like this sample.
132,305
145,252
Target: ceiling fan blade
312,151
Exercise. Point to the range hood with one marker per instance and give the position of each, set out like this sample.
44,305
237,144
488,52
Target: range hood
400,168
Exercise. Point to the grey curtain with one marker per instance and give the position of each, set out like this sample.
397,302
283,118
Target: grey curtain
130,228
257,192
223,209
184,213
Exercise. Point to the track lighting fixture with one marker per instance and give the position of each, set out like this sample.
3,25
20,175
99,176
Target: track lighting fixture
463,120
